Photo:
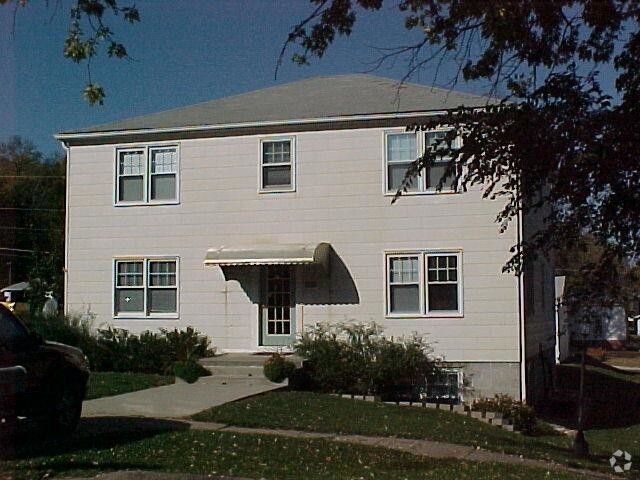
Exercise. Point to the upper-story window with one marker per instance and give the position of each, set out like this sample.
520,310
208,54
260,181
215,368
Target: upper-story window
402,149
277,165
147,175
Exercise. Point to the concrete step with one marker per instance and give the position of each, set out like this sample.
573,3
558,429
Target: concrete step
242,360
235,370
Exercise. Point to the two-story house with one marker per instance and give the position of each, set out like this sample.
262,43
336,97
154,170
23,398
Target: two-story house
254,216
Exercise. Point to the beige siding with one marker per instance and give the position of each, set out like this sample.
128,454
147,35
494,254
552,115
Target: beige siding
339,199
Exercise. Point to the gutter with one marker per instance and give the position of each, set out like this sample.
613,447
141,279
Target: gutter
227,126
66,228
521,318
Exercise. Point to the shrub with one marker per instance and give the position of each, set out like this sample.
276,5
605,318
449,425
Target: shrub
522,415
277,368
356,358
117,350
190,370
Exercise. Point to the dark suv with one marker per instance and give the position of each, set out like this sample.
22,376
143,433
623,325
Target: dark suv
40,380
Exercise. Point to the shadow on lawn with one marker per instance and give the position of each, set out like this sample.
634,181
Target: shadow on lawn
612,399
92,433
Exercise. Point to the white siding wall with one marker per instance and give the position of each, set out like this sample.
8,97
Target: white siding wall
339,199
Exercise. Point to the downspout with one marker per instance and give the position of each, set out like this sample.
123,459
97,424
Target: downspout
67,150
521,315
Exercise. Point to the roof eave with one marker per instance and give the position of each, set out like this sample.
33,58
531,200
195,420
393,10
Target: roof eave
66,136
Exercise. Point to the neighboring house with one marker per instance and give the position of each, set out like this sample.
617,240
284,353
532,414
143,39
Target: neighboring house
254,216
608,327
15,293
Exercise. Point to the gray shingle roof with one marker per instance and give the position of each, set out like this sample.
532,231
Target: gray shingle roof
319,97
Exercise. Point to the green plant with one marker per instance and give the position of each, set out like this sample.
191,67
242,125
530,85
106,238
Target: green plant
523,416
277,368
356,358
117,350
189,370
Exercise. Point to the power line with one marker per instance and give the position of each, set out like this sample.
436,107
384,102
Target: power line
33,209
30,228
32,176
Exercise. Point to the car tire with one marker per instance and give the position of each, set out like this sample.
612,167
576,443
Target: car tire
65,416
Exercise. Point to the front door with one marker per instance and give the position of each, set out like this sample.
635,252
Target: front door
278,309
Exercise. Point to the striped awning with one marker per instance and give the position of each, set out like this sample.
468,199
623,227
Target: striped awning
269,254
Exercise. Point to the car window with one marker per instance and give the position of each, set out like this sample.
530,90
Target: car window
11,331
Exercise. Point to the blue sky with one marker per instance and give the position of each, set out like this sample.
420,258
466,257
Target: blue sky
183,52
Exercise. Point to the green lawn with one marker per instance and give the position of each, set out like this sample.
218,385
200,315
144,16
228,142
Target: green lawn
325,413
106,384
252,456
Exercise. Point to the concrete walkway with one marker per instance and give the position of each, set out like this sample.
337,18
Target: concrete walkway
424,448
180,399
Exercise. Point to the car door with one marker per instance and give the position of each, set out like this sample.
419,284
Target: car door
23,365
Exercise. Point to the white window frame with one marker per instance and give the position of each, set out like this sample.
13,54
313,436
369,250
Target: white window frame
389,258
292,163
421,178
422,255
145,314
147,149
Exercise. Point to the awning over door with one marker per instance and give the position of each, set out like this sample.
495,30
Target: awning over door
270,254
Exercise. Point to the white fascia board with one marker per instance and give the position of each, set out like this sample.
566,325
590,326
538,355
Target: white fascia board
224,126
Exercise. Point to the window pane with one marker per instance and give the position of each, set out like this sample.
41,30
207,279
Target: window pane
436,140
405,298
404,270
129,300
162,300
443,297
436,172
129,274
164,160
162,274
401,147
276,176
131,163
131,189
396,173
276,152
163,187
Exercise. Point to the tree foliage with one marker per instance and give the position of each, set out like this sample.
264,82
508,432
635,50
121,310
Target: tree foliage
562,144
89,30
32,189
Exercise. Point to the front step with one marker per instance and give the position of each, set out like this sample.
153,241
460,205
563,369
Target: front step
235,370
240,364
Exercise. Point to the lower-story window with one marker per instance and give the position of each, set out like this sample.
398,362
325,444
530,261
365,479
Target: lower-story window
145,287
424,283
444,386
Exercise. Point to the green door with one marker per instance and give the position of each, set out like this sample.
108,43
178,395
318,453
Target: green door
278,309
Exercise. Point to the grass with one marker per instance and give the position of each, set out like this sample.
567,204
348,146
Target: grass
256,456
106,384
325,413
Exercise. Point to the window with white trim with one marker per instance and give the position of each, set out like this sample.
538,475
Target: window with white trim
277,165
146,287
424,283
402,149
147,175
435,141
